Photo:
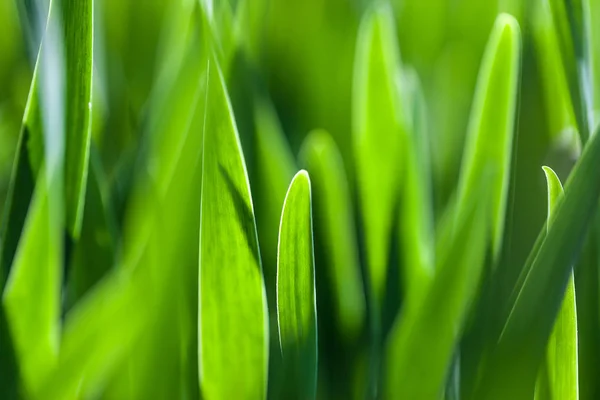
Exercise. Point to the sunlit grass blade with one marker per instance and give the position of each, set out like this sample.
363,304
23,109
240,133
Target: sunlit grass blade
416,206
422,342
233,320
532,309
334,224
560,365
562,121
31,298
591,15
491,125
296,297
77,20
378,131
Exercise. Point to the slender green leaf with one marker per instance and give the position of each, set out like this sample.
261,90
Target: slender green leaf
77,21
540,291
491,125
296,297
423,340
233,317
560,365
591,12
334,222
378,130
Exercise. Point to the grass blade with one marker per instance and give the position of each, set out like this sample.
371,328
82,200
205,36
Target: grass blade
538,295
491,125
296,297
378,130
334,223
561,357
233,317
591,15
77,18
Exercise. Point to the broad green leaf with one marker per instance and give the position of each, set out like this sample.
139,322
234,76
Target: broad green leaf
296,297
562,121
560,365
491,125
537,298
422,342
334,223
233,317
378,131
591,13
31,298
416,206
77,22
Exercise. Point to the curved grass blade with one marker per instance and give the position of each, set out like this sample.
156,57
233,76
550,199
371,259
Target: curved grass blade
491,125
416,219
77,19
233,316
296,297
540,290
422,343
560,365
378,130
335,222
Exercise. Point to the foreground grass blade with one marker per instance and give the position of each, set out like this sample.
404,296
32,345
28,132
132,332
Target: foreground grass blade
491,125
77,19
335,223
422,342
561,358
540,290
591,10
233,319
296,297
31,297
378,129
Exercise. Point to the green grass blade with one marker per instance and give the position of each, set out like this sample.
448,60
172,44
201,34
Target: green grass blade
378,130
233,317
422,343
296,297
561,115
591,13
77,19
31,298
334,224
491,125
561,358
416,206
540,291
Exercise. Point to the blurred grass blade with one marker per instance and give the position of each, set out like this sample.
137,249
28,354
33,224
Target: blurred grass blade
77,19
416,219
561,115
491,125
334,223
296,297
378,130
32,294
275,168
540,290
233,317
591,12
561,359
422,342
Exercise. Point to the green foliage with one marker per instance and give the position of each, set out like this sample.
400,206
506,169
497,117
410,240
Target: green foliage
137,144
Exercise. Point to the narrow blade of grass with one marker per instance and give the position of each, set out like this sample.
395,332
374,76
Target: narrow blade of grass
296,297
491,125
334,221
591,15
378,130
538,295
77,20
560,365
233,317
